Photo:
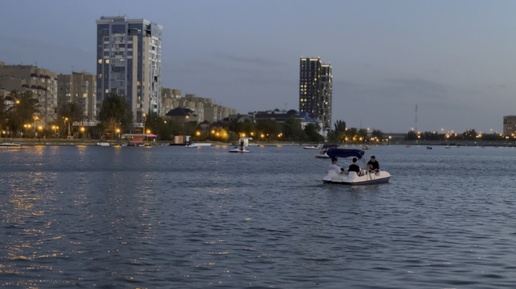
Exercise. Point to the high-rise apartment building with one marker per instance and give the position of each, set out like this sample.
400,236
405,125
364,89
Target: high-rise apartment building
315,89
129,63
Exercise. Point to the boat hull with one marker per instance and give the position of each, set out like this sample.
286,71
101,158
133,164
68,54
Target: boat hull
322,156
352,179
239,151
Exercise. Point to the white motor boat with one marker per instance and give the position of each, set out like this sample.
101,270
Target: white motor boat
10,144
352,178
322,154
313,147
198,144
238,150
243,147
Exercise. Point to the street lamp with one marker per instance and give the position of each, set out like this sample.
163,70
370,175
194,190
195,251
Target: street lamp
40,132
82,129
67,123
55,128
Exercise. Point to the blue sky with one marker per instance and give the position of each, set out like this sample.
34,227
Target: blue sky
455,60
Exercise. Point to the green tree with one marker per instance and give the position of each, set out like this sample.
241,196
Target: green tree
268,128
23,110
114,113
162,127
469,134
312,132
377,134
3,114
340,130
292,130
69,113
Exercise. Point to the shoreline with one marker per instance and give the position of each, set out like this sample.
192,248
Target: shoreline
91,142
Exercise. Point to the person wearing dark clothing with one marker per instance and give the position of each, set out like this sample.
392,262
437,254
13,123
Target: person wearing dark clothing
373,165
354,167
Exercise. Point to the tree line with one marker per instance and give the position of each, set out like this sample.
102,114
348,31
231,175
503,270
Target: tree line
20,117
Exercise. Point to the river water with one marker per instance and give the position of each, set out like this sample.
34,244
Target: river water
175,217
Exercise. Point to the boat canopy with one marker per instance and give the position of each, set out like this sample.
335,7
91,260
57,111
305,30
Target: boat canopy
344,153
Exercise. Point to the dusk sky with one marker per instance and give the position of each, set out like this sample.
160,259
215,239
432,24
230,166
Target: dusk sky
455,60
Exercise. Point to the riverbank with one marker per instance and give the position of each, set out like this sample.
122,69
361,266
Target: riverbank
93,142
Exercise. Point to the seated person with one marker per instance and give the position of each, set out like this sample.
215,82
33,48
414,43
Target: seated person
334,166
354,167
373,165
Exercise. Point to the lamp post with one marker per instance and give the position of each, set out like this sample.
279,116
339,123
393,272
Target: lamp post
40,132
143,121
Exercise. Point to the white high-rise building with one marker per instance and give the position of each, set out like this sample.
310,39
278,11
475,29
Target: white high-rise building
129,63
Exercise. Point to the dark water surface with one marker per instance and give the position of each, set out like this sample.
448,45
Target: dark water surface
174,217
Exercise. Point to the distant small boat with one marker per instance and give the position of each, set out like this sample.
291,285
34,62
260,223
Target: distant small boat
103,144
428,147
313,147
10,144
238,150
198,144
243,147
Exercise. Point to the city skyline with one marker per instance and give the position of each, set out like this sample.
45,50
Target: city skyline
454,60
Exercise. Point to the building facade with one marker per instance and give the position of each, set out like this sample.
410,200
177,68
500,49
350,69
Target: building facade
509,125
42,83
169,99
316,89
78,87
129,63
204,108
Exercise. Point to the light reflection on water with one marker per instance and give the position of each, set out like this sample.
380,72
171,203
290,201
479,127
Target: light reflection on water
168,217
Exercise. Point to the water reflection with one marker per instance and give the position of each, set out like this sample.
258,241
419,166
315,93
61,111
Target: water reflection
176,218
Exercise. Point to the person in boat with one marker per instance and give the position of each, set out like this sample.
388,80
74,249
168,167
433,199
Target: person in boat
241,145
373,166
334,166
354,167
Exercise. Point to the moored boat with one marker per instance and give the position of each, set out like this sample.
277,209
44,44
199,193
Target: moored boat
10,144
313,147
322,154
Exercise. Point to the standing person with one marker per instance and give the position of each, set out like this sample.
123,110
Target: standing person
334,166
354,167
373,165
